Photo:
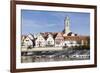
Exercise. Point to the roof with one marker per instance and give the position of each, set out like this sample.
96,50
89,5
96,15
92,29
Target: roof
78,38
54,34
70,34
45,35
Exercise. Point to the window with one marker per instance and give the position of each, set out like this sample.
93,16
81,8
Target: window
27,40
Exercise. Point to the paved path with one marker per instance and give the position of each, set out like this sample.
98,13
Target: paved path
42,49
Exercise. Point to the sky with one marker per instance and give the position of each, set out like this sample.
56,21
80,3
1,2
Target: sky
33,22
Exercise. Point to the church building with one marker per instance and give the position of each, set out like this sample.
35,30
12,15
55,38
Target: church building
72,39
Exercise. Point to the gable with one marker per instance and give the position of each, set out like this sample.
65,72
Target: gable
59,36
50,39
27,40
31,36
40,38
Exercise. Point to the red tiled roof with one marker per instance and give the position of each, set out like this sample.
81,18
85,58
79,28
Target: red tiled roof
76,38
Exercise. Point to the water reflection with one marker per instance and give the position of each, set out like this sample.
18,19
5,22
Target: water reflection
48,56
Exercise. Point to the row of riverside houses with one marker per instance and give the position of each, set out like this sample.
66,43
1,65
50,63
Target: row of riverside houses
50,39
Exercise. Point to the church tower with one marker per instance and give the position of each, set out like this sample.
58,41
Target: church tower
67,25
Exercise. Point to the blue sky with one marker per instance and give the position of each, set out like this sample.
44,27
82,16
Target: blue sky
51,21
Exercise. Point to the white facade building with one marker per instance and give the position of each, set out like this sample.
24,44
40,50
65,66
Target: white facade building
31,36
59,40
40,41
50,40
70,43
27,42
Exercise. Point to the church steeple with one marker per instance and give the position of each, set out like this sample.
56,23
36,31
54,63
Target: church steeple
67,25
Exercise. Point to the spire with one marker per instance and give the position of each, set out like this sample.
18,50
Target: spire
67,25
